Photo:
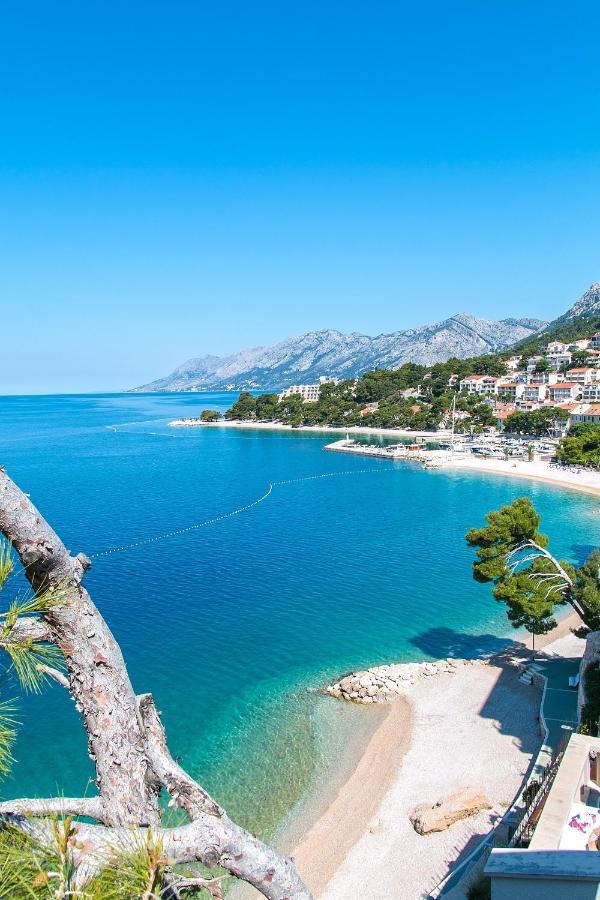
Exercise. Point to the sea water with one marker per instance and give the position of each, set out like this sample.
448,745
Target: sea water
236,625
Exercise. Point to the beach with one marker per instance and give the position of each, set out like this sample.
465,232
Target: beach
537,470
478,726
310,429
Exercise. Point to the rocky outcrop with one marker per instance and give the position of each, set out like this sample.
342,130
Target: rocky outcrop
439,816
382,684
302,359
587,305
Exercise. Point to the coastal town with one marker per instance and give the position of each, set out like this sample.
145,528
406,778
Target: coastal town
564,376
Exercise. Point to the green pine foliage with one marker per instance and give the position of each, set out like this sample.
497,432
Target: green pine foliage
538,422
530,601
347,403
530,597
34,870
581,446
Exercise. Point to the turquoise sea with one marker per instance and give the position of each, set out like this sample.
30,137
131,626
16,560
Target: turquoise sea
234,626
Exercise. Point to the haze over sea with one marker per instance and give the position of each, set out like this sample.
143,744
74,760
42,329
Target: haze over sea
235,626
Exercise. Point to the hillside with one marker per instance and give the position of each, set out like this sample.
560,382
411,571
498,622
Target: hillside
305,357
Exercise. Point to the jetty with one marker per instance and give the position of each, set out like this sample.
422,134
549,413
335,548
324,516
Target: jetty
415,452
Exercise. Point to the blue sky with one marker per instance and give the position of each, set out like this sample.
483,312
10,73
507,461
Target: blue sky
185,178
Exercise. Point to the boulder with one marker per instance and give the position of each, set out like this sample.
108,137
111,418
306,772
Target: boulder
461,804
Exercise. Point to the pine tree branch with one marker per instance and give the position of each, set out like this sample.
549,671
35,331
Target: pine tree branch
29,628
127,742
55,674
92,807
185,792
98,678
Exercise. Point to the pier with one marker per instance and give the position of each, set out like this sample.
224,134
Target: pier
416,452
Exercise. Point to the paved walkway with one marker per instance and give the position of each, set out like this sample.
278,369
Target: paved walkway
560,702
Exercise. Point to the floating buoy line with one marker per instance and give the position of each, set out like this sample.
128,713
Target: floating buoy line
123,548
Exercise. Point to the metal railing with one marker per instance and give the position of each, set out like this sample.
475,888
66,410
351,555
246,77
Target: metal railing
533,799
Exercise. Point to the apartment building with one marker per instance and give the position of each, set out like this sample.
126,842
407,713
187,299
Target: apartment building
583,375
479,384
591,393
564,391
586,412
308,392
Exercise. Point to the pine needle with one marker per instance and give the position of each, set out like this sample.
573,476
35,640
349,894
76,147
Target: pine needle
6,561
27,657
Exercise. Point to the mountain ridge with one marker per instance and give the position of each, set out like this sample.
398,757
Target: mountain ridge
303,358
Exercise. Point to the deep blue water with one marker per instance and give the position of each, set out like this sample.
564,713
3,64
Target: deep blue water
233,625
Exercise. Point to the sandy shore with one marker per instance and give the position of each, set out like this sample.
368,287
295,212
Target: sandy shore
350,815
478,726
587,482
312,429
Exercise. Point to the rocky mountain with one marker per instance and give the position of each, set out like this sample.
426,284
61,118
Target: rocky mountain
304,358
587,305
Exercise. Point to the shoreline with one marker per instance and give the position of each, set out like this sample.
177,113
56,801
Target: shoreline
326,842
367,820
310,429
355,814
585,482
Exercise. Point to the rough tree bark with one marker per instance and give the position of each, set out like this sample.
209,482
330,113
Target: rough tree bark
126,739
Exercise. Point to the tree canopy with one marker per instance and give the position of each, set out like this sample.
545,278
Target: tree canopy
511,553
581,446
538,422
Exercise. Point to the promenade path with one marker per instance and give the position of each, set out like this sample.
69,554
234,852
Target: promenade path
560,701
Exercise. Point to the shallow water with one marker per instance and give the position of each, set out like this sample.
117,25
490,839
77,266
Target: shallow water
235,625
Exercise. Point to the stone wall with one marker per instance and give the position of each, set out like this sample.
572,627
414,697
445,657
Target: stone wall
590,654
383,683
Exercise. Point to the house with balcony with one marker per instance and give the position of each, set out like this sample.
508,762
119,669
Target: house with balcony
586,413
564,392
543,378
595,341
582,375
555,347
479,384
533,393
591,393
557,360
510,390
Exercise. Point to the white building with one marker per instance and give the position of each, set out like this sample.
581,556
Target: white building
534,393
582,375
543,378
564,391
479,384
556,347
557,360
512,364
511,390
586,412
308,392
591,393
561,860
